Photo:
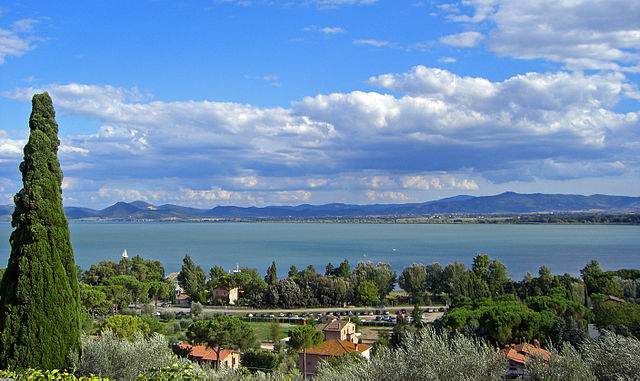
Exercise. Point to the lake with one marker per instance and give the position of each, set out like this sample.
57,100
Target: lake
522,248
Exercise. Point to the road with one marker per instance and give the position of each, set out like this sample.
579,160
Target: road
296,311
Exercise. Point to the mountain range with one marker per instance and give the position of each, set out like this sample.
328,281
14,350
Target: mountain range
504,203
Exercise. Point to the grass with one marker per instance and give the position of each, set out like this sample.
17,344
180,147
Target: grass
263,330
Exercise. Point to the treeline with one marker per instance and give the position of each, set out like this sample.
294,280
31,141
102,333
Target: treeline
553,309
365,284
110,286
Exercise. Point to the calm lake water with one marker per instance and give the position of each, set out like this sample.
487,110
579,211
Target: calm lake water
564,248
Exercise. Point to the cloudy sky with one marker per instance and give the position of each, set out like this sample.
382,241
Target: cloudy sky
255,102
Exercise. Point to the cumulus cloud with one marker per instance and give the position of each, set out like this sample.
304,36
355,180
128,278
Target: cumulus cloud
387,196
428,132
443,182
16,39
582,34
462,40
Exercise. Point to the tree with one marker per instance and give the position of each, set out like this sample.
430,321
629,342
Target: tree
329,269
481,266
222,332
367,293
413,279
39,292
272,274
497,278
416,314
293,272
274,331
260,360
303,337
192,279
344,270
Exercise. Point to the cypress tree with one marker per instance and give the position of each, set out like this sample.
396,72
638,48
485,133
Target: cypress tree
39,292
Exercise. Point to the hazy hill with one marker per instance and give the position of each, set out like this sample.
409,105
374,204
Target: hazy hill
504,203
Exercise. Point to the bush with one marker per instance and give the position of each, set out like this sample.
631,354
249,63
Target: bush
113,357
613,357
426,355
564,365
126,326
196,309
34,374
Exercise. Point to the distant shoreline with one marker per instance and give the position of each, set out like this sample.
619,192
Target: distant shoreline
631,219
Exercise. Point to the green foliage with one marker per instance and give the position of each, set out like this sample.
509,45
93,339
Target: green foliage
413,279
622,318
367,293
192,280
39,292
123,359
599,282
613,357
126,326
272,274
501,321
259,360
566,365
196,309
380,274
304,336
425,355
55,374
222,332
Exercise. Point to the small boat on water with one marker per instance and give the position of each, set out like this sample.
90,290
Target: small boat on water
125,255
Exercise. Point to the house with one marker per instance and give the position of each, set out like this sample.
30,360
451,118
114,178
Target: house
518,355
329,348
226,295
205,355
339,329
183,300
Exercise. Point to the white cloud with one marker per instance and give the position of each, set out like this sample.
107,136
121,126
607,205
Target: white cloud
17,39
387,196
462,40
581,34
441,182
447,60
433,132
372,42
326,30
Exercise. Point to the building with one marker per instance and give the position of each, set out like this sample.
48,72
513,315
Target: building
227,295
518,355
205,355
329,348
340,338
339,329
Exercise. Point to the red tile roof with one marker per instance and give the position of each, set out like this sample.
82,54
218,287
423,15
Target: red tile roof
336,348
520,353
204,353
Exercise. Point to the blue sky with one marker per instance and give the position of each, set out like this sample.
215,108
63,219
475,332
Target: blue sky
255,102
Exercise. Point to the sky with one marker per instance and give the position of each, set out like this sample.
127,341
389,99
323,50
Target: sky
264,102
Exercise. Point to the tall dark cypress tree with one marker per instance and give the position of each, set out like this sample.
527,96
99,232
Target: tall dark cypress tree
39,292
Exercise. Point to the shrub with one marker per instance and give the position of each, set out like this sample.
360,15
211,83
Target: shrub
426,355
564,365
35,374
126,326
113,357
613,357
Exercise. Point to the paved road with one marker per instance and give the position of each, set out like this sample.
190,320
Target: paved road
296,311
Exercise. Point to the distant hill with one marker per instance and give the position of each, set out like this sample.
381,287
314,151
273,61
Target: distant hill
504,203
